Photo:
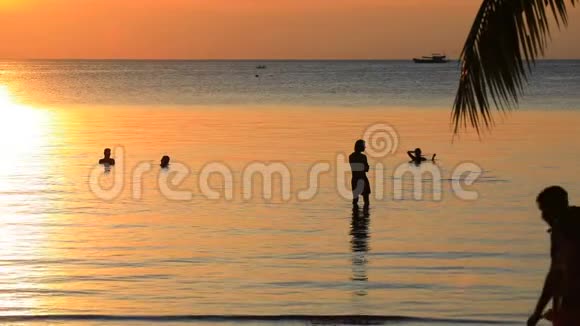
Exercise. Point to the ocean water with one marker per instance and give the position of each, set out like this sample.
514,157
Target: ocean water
456,242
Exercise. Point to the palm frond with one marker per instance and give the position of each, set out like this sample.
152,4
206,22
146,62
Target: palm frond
505,40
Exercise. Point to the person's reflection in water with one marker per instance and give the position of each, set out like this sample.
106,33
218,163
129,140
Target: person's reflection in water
359,232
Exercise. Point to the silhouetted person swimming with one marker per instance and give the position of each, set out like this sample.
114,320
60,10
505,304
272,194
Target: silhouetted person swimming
417,156
164,162
107,160
562,284
359,166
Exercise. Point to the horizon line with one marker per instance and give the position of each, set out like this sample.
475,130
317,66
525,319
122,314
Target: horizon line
451,60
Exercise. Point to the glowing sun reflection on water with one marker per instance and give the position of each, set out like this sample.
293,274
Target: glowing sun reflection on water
21,127
24,133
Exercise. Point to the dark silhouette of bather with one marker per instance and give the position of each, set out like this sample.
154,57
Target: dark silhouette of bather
359,166
359,231
164,162
107,160
562,284
417,156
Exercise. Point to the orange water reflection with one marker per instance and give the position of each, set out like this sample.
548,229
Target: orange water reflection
80,254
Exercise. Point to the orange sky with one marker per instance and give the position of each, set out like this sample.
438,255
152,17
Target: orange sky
245,29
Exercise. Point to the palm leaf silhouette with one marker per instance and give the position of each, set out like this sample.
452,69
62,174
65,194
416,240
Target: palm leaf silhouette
506,38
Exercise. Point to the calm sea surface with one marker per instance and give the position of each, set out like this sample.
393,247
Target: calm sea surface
202,243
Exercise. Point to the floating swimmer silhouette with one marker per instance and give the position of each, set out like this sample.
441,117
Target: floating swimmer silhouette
417,156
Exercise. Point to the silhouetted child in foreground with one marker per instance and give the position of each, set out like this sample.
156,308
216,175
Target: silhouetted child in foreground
562,284
359,166
107,160
417,156
164,162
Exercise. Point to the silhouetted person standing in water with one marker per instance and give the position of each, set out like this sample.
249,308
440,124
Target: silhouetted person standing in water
107,160
417,156
164,162
562,284
359,166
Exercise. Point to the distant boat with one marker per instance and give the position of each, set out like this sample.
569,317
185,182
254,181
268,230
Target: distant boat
261,67
434,58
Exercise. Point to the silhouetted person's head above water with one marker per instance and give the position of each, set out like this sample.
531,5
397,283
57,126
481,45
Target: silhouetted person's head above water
107,157
359,146
165,161
418,152
553,202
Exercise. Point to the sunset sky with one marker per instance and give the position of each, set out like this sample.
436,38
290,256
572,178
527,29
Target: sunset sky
245,29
